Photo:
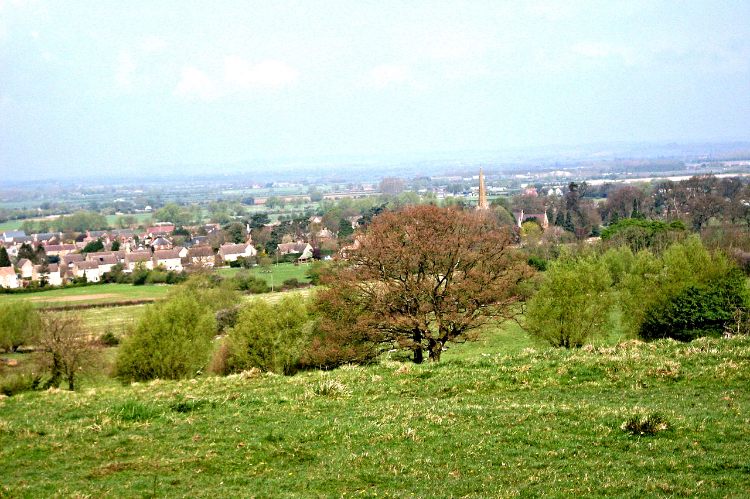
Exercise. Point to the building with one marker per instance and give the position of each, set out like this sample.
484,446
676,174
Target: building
168,259
138,258
8,278
201,256
522,217
482,204
231,252
26,267
87,269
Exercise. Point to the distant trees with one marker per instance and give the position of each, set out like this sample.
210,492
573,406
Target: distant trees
391,185
93,247
80,221
423,277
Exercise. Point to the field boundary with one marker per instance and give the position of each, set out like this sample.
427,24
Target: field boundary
81,306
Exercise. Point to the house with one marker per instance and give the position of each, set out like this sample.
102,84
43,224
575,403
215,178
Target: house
231,252
161,243
201,256
168,259
48,237
59,249
160,230
52,276
522,217
9,235
26,267
8,277
94,235
197,241
105,260
347,251
88,269
304,249
143,257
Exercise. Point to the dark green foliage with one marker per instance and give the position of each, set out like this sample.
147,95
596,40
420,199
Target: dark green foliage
345,228
646,424
701,309
27,252
116,246
537,262
226,318
109,339
568,224
93,247
4,258
245,281
313,272
560,219
641,234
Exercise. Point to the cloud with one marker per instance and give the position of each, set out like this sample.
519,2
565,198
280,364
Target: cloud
195,83
385,75
237,71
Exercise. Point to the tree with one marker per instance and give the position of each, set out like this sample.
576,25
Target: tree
270,337
116,245
391,185
18,324
4,258
421,278
64,349
27,252
573,304
235,232
93,247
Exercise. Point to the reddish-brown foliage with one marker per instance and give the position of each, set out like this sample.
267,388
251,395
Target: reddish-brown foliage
422,277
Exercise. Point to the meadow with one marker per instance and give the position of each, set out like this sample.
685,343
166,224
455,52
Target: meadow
87,295
275,274
499,417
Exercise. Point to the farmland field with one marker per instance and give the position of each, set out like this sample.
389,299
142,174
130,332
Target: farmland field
101,293
278,273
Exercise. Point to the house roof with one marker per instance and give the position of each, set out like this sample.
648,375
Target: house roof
89,265
233,249
138,256
106,258
23,262
68,259
160,241
14,233
286,248
161,229
200,251
122,232
60,247
167,254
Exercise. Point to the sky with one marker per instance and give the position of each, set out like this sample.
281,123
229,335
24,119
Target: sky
137,86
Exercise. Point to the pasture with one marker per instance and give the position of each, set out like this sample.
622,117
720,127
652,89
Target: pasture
88,295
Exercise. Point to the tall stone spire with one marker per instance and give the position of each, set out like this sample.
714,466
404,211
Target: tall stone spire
482,205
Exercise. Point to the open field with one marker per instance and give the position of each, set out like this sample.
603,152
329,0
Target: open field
278,273
101,293
536,423
140,217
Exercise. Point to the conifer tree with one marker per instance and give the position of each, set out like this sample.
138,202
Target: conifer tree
4,258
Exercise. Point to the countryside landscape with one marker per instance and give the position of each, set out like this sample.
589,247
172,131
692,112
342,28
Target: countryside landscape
294,251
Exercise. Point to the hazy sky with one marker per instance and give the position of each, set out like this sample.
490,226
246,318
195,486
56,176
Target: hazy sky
104,85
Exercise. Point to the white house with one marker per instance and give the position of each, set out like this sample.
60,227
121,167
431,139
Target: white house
26,268
138,257
8,277
87,269
231,252
168,259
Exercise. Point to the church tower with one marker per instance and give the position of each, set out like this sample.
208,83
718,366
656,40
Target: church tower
482,205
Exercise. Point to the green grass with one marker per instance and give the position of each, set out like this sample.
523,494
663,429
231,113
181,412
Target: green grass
482,424
280,273
11,225
87,295
140,217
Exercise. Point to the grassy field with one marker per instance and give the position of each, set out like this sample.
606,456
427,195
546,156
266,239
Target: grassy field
278,273
102,293
141,217
494,419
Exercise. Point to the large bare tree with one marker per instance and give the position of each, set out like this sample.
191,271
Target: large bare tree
423,277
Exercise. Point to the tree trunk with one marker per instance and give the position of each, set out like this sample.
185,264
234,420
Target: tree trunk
54,381
418,351
436,348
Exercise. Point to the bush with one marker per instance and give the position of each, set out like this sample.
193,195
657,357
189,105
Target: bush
573,304
646,424
244,281
226,318
109,339
19,383
18,324
172,340
270,337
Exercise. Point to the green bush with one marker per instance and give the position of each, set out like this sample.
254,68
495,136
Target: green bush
270,337
700,309
19,383
19,322
172,340
573,303
244,281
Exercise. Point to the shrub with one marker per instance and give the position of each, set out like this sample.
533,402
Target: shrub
270,337
537,262
18,324
172,340
244,281
573,304
108,339
646,424
226,318
19,383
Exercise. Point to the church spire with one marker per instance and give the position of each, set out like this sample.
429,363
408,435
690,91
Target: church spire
482,205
